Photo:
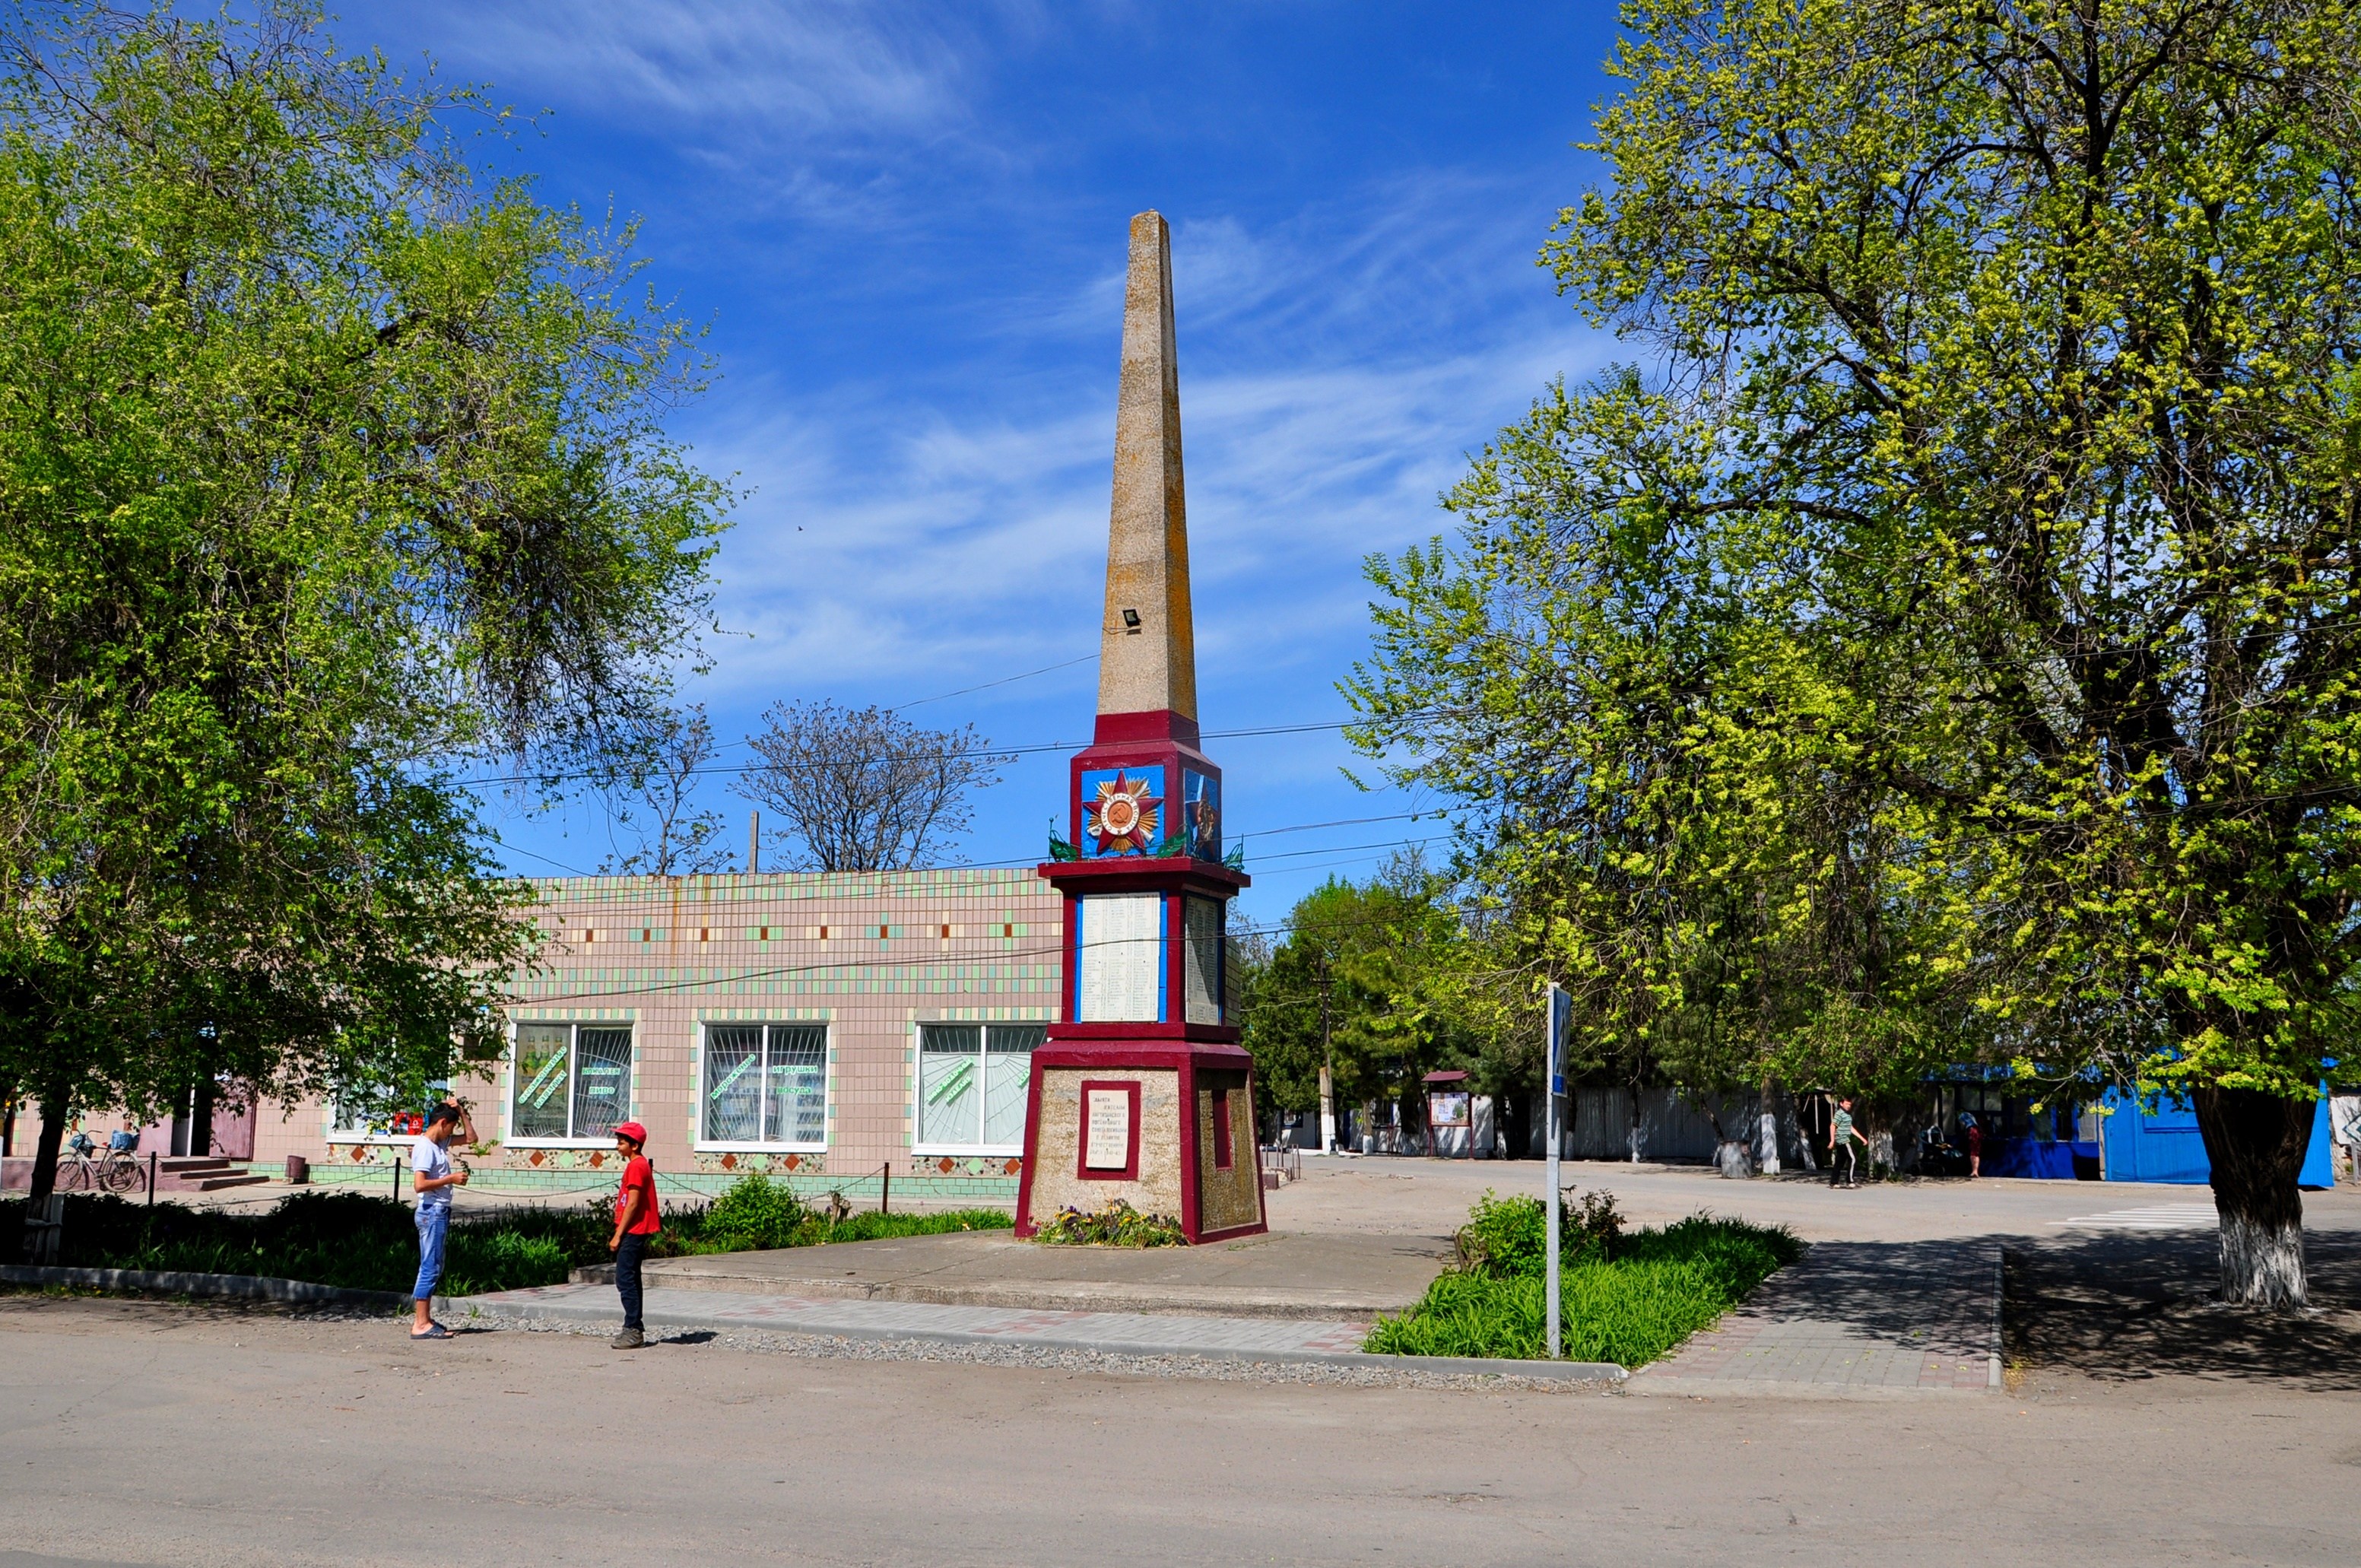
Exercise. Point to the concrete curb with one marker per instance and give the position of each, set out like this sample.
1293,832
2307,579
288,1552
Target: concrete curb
1045,1297
1999,1286
660,1316
229,1286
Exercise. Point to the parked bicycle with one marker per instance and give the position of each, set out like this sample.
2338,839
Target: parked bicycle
84,1168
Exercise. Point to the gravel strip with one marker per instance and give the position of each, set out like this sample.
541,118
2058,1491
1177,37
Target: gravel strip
824,1347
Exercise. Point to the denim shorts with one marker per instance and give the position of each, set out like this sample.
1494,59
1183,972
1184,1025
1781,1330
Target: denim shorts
433,1230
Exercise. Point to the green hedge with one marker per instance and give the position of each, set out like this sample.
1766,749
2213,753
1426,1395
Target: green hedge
369,1243
1628,1299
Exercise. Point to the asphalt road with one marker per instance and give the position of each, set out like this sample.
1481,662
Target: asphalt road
155,1434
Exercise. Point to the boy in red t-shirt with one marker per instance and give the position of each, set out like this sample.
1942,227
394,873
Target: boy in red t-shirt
635,1221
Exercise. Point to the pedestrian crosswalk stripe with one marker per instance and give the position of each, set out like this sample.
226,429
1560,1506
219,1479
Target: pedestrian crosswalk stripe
2163,1217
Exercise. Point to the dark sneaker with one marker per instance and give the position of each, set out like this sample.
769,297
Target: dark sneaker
630,1339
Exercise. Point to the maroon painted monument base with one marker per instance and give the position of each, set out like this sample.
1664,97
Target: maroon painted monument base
1158,1110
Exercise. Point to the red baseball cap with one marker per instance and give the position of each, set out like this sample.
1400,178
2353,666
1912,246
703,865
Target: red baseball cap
632,1131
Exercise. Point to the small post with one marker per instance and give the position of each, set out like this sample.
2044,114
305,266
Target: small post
753,842
397,1179
885,1184
151,1178
1560,1006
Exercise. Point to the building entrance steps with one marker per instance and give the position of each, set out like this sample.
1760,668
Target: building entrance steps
1300,1275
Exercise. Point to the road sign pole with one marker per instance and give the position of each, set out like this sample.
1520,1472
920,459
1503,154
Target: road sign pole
1556,1084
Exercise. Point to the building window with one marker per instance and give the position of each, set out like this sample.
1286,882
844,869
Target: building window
971,1085
573,1081
766,1083
366,1115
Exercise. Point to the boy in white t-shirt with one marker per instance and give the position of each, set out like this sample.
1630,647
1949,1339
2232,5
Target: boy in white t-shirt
433,1179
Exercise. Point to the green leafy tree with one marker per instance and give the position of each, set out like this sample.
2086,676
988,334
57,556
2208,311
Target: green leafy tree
325,469
2006,420
1371,989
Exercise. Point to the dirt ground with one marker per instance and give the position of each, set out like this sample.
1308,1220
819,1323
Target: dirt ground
152,1434
2138,1424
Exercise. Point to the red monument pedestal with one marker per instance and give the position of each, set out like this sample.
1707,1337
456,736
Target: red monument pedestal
1141,1092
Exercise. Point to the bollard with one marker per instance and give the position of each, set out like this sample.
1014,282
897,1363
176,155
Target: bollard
885,1185
397,1179
151,1178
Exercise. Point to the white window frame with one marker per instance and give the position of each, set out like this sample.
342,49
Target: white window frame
704,1144
918,1081
573,1028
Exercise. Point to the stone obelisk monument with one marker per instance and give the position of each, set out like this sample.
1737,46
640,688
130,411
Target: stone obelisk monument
1141,1092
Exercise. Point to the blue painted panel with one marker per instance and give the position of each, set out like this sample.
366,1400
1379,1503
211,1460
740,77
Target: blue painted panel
2032,1157
2165,1145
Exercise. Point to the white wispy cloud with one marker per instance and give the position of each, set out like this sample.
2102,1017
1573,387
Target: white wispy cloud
836,67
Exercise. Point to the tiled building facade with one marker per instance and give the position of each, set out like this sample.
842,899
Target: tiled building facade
833,1030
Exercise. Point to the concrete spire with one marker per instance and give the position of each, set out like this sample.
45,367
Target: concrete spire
1147,650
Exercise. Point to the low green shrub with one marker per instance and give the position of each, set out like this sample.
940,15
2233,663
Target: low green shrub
1626,1298
1504,1238
1114,1223
754,1214
876,1227
364,1242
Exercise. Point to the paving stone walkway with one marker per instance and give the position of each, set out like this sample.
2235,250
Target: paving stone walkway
1853,1315
1129,1333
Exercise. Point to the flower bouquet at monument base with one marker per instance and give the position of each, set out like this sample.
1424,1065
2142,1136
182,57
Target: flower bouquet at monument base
1114,1223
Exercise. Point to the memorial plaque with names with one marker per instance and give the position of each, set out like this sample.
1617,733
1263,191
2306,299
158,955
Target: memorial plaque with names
1106,1118
1123,958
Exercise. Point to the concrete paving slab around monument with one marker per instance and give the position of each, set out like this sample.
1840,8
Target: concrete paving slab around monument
1108,1333
1295,1275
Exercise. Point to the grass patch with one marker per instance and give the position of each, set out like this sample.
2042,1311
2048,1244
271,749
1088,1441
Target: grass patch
360,1242
1625,1298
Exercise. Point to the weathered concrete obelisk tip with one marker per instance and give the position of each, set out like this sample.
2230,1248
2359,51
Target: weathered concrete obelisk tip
1141,1092
1147,660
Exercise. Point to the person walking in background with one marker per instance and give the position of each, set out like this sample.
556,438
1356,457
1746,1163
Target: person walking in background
432,1179
636,1223
1840,1141
1973,1136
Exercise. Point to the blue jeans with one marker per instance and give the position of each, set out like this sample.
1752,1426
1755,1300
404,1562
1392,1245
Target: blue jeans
629,1252
433,1230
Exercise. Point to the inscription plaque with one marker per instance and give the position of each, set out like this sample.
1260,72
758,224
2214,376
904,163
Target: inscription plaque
1106,1116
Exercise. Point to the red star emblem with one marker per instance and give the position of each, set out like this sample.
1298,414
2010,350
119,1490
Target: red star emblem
1125,815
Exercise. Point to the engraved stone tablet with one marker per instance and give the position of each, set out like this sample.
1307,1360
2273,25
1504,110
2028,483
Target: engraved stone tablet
1108,1118
1123,958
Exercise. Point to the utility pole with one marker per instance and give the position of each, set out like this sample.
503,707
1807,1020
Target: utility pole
1327,1071
753,842
1561,1007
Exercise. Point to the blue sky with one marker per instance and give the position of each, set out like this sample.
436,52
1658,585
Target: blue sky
905,224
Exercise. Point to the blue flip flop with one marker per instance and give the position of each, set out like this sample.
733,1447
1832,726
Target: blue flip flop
435,1331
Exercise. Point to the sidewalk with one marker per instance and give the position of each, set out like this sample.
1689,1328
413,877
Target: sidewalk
1326,1279
1121,1333
1853,1315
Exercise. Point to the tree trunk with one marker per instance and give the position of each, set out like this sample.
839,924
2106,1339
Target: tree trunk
2255,1144
55,1114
